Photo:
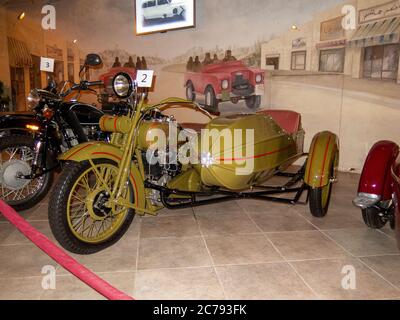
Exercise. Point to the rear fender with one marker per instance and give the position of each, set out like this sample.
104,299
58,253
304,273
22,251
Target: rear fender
18,122
324,154
376,177
102,150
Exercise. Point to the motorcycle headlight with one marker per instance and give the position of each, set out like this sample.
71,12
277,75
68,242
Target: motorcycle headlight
259,78
122,85
224,84
33,99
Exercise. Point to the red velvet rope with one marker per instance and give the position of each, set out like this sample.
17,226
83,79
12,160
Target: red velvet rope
58,255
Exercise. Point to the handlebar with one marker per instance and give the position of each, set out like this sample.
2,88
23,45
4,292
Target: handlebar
83,85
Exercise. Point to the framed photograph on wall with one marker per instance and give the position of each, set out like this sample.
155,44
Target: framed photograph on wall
163,15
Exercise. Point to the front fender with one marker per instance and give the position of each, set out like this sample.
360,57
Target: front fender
376,176
324,155
102,150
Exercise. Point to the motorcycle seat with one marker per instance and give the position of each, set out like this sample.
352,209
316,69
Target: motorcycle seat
290,121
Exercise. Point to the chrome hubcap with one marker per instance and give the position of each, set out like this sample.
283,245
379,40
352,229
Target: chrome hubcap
11,172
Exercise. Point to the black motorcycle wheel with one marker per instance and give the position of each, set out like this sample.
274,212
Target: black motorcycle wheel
372,218
16,155
63,213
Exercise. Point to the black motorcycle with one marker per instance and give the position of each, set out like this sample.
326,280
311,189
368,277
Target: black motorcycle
31,143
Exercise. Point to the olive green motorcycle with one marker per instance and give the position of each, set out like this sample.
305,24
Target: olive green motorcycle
152,162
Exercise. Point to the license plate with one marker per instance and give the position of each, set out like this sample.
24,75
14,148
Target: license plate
226,96
260,90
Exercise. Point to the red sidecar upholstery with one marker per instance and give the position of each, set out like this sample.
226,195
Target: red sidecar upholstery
289,121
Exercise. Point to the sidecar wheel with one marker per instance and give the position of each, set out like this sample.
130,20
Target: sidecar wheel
372,218
16,156
79,225
319,200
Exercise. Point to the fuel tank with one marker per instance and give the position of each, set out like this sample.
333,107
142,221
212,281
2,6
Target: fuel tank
243,150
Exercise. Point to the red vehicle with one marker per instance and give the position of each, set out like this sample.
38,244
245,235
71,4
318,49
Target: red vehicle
108,77
396,198
380,180
226,81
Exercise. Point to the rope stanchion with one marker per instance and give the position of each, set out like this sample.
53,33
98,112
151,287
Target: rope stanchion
59,256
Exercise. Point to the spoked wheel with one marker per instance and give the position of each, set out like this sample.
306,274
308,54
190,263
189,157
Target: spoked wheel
16,156
82,216
320,199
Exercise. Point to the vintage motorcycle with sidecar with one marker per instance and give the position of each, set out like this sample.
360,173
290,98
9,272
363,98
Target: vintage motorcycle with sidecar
104,184
30,143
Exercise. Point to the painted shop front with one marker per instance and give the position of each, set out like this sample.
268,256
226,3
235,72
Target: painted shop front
371,51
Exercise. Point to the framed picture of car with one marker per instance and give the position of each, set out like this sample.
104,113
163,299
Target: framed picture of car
164,15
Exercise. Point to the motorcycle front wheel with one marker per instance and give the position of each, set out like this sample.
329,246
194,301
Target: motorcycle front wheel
80,215
16,155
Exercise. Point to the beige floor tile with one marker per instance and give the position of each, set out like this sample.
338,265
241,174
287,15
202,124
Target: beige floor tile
335,219
301,245
386,266
175,226
21,288
39,214
285,220
178,284
120,257
70,288
364,242
22,261
173,253
260,206
17,237
242,249
224,207
263,282
326,278
226,224
6,230
173,213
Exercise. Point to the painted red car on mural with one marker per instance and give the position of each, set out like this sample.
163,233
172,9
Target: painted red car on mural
379,188
226,81
108,77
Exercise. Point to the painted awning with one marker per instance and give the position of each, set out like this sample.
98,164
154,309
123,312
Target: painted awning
331,44
18,53
377,32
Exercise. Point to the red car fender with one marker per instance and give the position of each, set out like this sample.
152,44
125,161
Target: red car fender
376,177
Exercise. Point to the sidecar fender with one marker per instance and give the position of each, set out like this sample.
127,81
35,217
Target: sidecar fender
102,150
323,156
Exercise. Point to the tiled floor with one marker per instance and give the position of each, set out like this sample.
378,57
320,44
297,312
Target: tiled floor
237,250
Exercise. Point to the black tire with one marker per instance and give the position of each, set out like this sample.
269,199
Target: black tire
372,218
190,94
211,98
253,102
317,208
33,199
58,212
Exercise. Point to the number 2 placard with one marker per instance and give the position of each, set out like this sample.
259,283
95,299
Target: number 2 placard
144,78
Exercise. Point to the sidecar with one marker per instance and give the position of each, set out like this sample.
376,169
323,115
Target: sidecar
276,144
